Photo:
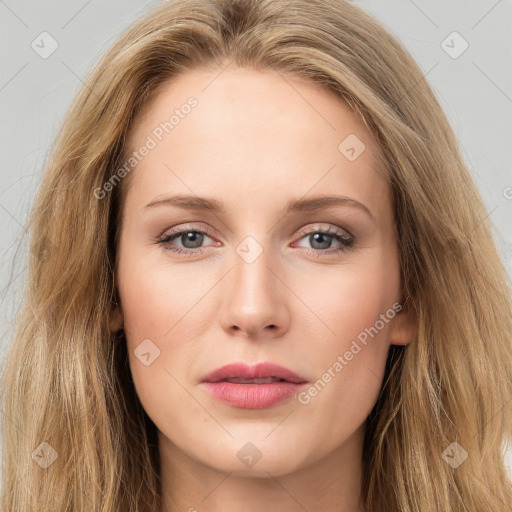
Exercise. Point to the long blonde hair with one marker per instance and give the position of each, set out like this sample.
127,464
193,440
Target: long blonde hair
66,380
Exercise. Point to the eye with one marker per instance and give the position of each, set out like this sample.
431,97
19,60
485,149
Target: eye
191,240
322,239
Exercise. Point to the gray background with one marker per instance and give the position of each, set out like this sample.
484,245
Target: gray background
475,89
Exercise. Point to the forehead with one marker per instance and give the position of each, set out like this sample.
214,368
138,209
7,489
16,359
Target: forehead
253,134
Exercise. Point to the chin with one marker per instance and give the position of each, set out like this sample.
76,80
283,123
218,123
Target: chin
249,459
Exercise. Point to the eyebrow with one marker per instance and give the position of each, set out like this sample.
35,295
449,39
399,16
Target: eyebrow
196,203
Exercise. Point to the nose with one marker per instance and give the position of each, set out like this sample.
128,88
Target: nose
255,298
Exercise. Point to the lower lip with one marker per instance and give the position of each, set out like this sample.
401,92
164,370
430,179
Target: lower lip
252,396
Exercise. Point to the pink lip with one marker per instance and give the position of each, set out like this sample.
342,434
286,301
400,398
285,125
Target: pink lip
252,396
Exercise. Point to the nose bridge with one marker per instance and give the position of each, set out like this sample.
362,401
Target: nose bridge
252,277
254,299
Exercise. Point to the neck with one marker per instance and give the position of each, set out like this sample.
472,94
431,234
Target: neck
330,484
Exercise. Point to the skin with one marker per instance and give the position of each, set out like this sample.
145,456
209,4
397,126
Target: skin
256,140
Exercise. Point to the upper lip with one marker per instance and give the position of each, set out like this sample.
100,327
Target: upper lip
259,371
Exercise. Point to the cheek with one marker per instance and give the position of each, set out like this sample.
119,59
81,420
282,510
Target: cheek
157,298
164,311
351,299
356,309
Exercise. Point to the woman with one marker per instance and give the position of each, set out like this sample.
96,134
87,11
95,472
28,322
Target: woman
261,276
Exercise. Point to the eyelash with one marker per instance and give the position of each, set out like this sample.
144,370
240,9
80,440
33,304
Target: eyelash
346,242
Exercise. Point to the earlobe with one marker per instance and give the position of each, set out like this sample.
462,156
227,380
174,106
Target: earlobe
116,319
404,327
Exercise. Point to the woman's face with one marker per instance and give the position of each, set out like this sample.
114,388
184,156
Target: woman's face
295,264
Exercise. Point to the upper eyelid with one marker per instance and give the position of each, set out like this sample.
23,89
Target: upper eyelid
187,228
330,228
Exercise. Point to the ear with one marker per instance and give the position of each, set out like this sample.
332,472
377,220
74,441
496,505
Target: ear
404,326
116,319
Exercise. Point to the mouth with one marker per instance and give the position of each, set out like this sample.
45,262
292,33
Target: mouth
262,373
268,380
252,387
